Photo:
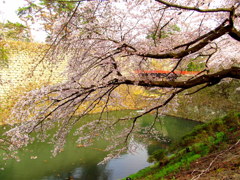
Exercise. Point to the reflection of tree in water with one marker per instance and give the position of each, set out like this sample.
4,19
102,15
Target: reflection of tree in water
161,142
156,146
90,171
172,129
176,128
95,172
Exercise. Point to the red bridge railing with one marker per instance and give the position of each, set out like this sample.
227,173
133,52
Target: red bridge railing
166,72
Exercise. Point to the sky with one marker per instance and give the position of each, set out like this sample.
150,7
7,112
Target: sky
8,10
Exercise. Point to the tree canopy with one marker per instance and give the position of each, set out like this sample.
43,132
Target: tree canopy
107,42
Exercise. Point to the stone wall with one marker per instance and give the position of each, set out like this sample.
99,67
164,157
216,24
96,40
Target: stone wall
24,71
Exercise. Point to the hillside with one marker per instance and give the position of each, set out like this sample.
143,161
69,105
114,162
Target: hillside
210,151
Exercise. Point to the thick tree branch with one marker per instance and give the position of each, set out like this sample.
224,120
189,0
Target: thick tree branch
211,79
216,33
201,37
235,34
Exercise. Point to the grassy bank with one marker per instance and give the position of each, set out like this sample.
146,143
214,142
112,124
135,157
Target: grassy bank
210,140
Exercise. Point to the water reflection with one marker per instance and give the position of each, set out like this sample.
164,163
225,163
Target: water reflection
81,163
128,164
115,169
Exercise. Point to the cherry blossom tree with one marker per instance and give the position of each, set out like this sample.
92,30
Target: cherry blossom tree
107,42
45,13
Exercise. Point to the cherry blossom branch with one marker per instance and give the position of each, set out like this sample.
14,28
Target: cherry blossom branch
218,32
150,110
201,37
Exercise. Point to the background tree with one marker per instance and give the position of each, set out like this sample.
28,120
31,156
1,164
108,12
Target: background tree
14,31
11,31
105,42
46,12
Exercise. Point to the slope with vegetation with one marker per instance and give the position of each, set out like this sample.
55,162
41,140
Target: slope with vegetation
210,151
209,103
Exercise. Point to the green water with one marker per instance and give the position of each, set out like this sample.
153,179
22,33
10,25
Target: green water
82,163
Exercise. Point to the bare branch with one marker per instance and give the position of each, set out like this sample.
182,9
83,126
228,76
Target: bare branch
194,8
